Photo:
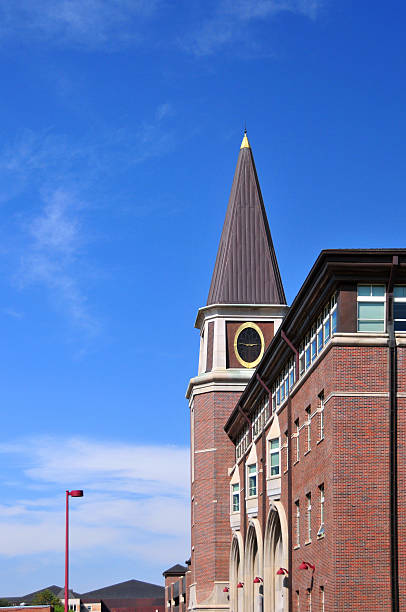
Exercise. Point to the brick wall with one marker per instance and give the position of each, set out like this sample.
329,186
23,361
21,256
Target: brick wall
402,473
211,534
352,461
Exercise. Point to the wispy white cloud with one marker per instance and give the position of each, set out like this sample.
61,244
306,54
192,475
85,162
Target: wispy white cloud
87,23
231,19
14,314
60,176
135,498
51,257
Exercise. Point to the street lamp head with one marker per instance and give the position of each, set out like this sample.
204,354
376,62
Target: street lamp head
305,565
77,493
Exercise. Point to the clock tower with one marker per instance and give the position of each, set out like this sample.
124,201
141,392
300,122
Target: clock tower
245,306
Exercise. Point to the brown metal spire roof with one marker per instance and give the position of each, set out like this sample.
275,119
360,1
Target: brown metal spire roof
246,269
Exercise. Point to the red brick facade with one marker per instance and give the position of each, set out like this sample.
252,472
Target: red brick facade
213,456
349,466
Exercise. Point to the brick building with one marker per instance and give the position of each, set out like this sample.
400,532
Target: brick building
298,421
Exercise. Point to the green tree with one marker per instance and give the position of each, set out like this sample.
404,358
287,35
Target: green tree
4,603
45,598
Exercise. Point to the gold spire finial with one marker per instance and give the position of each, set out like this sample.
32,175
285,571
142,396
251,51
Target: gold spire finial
245,144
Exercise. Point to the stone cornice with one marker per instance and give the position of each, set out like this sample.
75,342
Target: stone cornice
240,310
219,380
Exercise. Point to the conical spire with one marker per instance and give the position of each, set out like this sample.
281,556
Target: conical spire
246,269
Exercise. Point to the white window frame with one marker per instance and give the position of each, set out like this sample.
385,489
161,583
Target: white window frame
313,343
319,330
252,475
322,599
297,436
321,532
274,451
235,493
333,310
322,502
326,325
309,431
307,352
321,410
397,300
308,517
371,299
297,505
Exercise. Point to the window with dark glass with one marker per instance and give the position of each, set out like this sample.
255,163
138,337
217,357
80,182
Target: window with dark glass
399,308
274,453
236,497
252,480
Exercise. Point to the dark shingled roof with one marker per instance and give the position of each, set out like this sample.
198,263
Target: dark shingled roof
71,594
175,570
130,589
246,269
30,596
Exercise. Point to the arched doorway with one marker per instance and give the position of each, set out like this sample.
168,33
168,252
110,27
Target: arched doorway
276,590
236,573
253,592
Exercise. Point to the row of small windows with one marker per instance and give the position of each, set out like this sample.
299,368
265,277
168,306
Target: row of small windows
309,600
308,426
274,471
371,306
320,333
308,517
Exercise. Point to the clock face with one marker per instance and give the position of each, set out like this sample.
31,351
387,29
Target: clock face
249,345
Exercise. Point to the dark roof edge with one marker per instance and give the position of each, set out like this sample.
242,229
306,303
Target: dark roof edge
176,570
319,271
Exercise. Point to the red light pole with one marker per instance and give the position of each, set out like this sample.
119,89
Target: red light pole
77,493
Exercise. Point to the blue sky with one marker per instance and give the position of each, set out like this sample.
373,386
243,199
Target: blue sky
121,125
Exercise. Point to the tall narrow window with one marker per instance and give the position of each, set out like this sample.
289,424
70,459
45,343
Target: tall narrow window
333,307
297,601
252,480
297,506
274,457
313,344
322,504
309,600
287,449
301,360
308,426
307,352
326,325
309,517
322,600
297,440
319,334
321,530
371,308
399,308
235,497
321,396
